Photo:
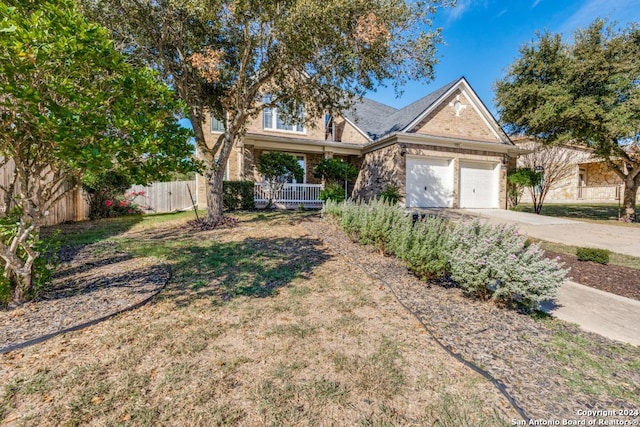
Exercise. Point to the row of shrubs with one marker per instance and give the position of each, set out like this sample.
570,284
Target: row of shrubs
488,261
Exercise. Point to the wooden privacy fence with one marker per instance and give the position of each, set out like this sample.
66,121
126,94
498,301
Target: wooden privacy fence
161,197
71,207
74,206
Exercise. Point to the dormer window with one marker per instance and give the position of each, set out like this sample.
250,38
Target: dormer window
272,119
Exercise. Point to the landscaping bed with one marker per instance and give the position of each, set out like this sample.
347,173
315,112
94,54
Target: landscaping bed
617,279
92,281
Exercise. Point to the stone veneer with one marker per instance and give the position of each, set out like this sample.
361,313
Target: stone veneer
387,166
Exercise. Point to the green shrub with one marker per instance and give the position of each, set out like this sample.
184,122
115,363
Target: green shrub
600,256
496,262
335,171
334,192
368,224
332,209
423,246
238,195
105,192
390,194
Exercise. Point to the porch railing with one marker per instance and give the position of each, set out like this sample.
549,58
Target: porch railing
291,195
604,192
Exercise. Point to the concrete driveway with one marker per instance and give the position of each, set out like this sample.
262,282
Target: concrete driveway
624,240
606,314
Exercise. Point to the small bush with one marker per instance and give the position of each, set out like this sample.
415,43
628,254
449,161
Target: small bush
496,261
390,194
334,192
43,267
423,246
332,209
600,256
238,195
105,191
368,224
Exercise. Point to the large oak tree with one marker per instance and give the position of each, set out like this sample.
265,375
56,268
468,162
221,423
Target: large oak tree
222,56
69,102
584,91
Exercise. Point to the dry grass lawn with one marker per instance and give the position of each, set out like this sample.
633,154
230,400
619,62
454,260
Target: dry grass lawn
260,325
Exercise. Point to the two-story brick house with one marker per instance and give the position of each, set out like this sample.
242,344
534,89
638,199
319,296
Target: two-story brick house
444,150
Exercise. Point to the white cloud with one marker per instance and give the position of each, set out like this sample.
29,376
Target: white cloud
461,7
502,12
535,3
623,11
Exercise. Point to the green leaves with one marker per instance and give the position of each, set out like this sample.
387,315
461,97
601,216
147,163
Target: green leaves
71,103
560,91
280,167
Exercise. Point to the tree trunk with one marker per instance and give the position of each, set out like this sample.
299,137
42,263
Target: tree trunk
628,213
214,198
215,177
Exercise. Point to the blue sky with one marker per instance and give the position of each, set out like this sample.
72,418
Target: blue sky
482,38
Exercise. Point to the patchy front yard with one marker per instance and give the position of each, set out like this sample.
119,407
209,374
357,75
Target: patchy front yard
263,324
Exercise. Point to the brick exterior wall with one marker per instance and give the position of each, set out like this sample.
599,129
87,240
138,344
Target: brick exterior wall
443,121
345,132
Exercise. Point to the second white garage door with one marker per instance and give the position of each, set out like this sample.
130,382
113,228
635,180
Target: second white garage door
478,185
429,183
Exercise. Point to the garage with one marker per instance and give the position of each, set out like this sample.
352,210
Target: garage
479,185
429,182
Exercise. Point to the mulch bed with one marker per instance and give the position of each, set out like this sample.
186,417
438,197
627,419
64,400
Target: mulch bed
619,280
92,281
513,347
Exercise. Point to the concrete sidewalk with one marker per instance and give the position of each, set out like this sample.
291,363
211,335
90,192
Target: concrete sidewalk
603,313
624,240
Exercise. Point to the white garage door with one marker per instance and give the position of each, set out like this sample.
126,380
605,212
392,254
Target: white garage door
478,185
429,183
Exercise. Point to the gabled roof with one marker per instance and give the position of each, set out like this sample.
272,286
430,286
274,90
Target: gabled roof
377,120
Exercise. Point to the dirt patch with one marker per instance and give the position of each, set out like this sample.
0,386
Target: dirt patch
92,281
619,280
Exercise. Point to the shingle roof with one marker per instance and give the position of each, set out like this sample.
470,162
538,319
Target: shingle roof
378,120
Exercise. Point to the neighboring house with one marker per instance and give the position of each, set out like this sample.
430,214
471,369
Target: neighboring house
444,150
587,180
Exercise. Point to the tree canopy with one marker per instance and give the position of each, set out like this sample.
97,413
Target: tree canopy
223,55
70,102
585,91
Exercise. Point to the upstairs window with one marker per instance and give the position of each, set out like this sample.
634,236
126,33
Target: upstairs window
216,125
271,119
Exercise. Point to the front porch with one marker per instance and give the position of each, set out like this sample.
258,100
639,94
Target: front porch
291,196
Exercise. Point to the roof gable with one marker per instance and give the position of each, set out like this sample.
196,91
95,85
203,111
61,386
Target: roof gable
377,120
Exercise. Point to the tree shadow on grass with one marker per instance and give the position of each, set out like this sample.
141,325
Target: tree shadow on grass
85,232
254,267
